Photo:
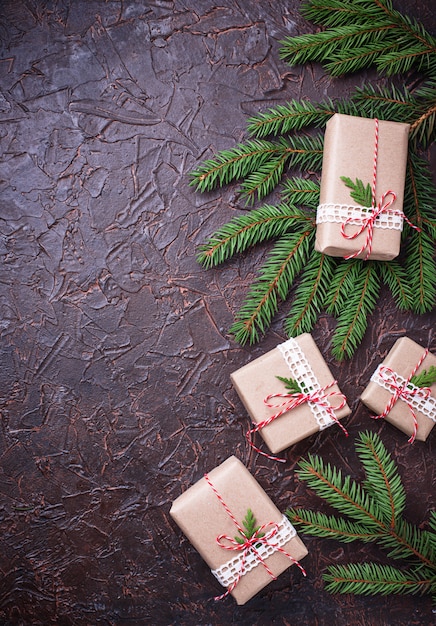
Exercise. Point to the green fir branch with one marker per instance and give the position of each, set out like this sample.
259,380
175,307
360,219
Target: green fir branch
333,13
341,286
406,541
423,128
373,578
421,269
310,294
259,162
343,493
400,61
325,526
294,115
382,479
301,191
420,262
395,277
419,195
324,47
401,105
244,231
373,513
260,183
277,275
230,165
349,60
359,35
386,102
352,319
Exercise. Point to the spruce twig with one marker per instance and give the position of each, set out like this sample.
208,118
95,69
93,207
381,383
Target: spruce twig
425,378
362,194
250,526
291,385
375,514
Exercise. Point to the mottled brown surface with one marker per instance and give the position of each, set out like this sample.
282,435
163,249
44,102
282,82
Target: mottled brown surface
115,390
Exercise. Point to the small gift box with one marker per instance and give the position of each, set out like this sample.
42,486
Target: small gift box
392,393
237,529
281,416
359,152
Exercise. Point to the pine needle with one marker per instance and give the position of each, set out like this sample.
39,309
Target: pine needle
310,294
372,578
425,378
244,231
286,261
301,191
360,303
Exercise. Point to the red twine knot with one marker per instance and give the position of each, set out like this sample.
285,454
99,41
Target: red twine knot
368,224
401,391
292,400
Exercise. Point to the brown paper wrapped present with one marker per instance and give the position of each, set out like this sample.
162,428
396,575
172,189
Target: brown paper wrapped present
349,150
211,513
301,360
390,395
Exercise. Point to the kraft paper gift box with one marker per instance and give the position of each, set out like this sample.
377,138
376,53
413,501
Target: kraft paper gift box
349,151
401,362
203,518
298,358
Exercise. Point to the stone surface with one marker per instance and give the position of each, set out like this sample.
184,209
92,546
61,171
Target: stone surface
115,391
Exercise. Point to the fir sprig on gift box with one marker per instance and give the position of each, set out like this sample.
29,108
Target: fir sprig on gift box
284,141
251,528
291,385
374,513
362,194
424,378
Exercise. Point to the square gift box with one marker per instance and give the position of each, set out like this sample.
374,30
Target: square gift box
298,358
209,514
349,150
392,375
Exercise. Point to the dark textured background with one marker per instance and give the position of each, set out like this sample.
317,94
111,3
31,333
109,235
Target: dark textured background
115,393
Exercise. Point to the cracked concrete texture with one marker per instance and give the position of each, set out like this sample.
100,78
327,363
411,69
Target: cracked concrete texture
115,390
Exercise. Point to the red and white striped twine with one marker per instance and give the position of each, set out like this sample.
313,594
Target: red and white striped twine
402,392
292,400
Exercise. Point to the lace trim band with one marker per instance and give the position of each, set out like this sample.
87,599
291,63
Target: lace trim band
302,372
352,214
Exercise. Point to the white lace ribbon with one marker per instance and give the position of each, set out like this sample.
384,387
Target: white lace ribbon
426,406
230,572
302,372
355,214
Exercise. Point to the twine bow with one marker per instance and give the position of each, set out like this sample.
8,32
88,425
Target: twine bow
368,224
383,205
250,544
401,391
292,400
